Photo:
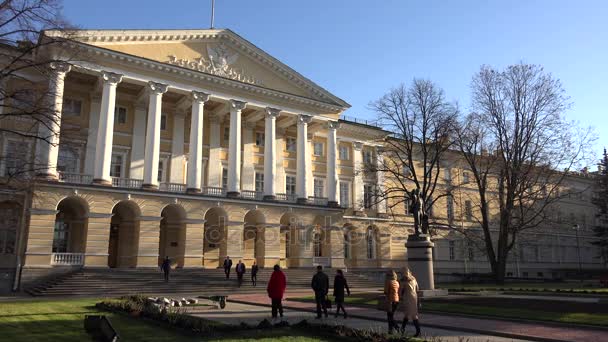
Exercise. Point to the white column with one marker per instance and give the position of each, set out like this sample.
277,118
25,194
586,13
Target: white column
47,147
105,129
302,162
270,152
332,170
358,177
214,164
89,157
248,169
195,160
138,142
156,91
234,149
279,180
381,206
177,149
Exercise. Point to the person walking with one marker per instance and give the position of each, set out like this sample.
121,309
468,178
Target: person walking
391,290
409,300
254,274
240,271
227,266
276,289
339,285
320,284
166,268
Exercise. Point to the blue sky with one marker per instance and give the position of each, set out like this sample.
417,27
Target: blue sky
360,49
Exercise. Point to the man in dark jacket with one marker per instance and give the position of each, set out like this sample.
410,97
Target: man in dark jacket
227,266
166,267
240,271
320,284
339,285
254,274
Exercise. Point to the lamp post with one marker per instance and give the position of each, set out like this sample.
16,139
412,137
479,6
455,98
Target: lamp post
578,251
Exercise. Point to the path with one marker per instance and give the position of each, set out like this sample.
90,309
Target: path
521,330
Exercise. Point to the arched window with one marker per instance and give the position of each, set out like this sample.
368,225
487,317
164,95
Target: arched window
61,235
317,245
371,243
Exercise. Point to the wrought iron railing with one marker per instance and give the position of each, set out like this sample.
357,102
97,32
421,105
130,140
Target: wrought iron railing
172,187
67,259
75,178
126,183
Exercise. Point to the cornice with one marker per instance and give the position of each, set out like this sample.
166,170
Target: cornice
257,54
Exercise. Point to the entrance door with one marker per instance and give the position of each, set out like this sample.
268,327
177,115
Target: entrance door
113,246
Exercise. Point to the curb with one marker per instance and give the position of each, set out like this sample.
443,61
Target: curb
438,326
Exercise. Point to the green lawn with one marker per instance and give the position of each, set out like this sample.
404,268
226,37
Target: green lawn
557,287
499,311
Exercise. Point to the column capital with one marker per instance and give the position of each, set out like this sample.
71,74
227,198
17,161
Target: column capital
199,96
333,125
357,145
157,88
304,119
110,77
238,105
272,112
61,67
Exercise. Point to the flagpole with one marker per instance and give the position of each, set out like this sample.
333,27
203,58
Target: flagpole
212,13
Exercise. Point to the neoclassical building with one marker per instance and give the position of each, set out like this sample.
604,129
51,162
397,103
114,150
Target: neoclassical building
197,145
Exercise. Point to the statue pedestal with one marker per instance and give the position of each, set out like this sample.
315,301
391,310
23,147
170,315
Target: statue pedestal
420,261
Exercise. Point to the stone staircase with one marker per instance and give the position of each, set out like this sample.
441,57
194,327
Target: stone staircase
116,282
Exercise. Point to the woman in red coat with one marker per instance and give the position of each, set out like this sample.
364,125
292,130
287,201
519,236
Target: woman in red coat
276,290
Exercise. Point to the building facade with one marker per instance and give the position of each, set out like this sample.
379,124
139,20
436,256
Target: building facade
198,145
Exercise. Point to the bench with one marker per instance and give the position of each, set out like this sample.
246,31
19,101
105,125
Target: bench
100,328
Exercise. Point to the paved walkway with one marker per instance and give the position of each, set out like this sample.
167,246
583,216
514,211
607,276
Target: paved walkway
235,313
494,327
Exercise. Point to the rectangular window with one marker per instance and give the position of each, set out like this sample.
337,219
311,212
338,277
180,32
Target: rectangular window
71,107
226,134
163,122
465,177
367,157
407,204
17,156
259,181
68,160
450,207
224,178
452,250
291,144
343,153
319,187
368,195
161,171
116,165
290,185
259,139
318,149
468,210
345,194
120,115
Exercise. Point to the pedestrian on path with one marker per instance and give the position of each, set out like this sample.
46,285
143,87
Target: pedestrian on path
227,266
320,284
391,290
254,274
409,300
166,268
339,285
240,271
276,289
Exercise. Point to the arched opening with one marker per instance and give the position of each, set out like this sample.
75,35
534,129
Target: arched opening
291,240
348,242
215,245
10,220
172,242
253,242
317,242
124,235
371,243
70,232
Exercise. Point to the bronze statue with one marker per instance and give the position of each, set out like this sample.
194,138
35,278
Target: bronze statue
417,209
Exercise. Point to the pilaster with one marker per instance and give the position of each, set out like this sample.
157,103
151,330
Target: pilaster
195,236
214,165
89,157
177,149
149,239
40,237
248,174
358,178
138,143
98,239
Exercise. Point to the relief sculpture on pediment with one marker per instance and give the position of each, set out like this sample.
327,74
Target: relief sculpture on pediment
219,62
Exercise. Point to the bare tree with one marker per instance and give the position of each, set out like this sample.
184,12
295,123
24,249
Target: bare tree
421,121
517,145
26,57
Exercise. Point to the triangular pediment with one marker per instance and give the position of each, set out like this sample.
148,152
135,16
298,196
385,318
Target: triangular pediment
218,52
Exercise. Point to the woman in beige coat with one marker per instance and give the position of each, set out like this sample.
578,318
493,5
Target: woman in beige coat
409,300
391,290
